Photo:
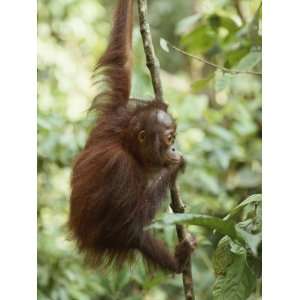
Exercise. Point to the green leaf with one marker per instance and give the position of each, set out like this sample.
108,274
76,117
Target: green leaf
238,282
164,45
201,39
235,280
252,199
252,240
224,227
235,56
249,61
200,84
222,257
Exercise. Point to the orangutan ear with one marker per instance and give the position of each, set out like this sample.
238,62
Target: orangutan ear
141,136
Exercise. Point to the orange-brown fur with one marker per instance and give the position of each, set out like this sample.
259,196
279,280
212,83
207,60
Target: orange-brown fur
114,190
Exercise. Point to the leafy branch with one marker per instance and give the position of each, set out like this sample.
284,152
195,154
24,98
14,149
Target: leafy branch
237,257
165,45
176,203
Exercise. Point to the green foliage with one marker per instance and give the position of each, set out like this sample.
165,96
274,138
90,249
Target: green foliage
238,268
235,277
224,226
219,132
238,283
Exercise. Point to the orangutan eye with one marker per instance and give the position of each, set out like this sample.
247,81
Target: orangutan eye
170,139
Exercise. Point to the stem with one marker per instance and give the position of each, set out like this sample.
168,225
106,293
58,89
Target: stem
176,203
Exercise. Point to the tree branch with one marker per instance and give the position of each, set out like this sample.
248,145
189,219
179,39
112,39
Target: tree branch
151,59
203,60
176,203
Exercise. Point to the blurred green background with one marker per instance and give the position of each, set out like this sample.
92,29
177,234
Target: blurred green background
219,129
